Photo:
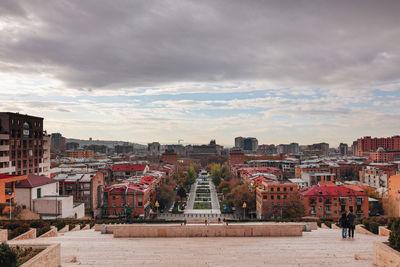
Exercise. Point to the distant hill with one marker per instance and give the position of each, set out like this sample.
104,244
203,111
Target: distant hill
107,143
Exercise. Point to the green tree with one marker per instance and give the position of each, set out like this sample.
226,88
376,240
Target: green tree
191,175
216,174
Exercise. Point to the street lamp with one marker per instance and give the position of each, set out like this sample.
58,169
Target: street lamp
157,205
10,194
244,209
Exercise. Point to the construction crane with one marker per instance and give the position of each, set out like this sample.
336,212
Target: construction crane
179,141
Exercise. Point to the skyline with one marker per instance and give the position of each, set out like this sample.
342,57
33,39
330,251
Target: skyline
163,71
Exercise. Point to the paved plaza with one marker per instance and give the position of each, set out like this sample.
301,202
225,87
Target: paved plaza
323,247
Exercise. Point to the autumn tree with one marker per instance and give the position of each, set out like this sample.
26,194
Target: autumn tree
165,195
224,187
241,194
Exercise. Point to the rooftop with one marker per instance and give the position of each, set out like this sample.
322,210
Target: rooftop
34,181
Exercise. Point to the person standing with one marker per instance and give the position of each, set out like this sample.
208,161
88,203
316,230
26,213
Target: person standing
343,224
351,223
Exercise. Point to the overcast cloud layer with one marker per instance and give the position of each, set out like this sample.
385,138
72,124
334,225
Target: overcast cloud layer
282,71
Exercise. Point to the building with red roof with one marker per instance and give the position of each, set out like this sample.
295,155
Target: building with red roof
332,201
125,171
131,197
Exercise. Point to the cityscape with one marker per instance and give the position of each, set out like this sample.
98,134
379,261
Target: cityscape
211,133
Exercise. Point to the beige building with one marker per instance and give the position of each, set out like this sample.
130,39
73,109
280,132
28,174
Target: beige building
40,194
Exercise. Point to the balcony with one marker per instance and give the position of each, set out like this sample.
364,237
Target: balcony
4,159
4,148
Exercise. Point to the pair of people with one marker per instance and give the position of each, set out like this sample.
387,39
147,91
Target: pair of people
347,222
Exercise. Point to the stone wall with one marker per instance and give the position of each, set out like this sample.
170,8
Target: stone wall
76,228
383,231
49,257
243,230
385,255
51,233
31,234
3,235
64,229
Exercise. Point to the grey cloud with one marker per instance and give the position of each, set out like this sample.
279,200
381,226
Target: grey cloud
95,44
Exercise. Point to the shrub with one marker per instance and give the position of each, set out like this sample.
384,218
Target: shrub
18,231
374,227
328,223
8,257
59,224
394,237
37,224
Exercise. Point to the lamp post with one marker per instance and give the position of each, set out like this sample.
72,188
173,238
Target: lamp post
244,209
10,194
157,205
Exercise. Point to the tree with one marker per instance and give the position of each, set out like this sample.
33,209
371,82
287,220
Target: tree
241,194
224,187
181,193
216,174
292,208
165,195
191,175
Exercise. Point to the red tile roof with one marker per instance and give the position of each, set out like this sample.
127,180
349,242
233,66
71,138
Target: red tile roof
331,191
128,167
34,181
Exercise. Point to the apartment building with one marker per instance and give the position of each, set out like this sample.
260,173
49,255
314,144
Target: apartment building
132,197
272,195
315,178
24,147
236,156
332,201
85,188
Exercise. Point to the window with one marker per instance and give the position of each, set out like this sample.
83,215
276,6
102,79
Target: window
265,197
320,199
278,197
39,193
291,189
272,197
272,189
284,189
278,189
114,205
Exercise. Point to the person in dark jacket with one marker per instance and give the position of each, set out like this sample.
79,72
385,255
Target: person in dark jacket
343,224
351,224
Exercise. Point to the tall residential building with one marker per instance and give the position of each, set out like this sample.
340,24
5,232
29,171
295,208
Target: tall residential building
239,142
379,149
343,149
154,148
24,147
246,143
292,148
57,143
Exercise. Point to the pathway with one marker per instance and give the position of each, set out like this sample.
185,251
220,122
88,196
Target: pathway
323,247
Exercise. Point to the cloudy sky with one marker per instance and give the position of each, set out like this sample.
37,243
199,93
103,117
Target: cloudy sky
141,71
